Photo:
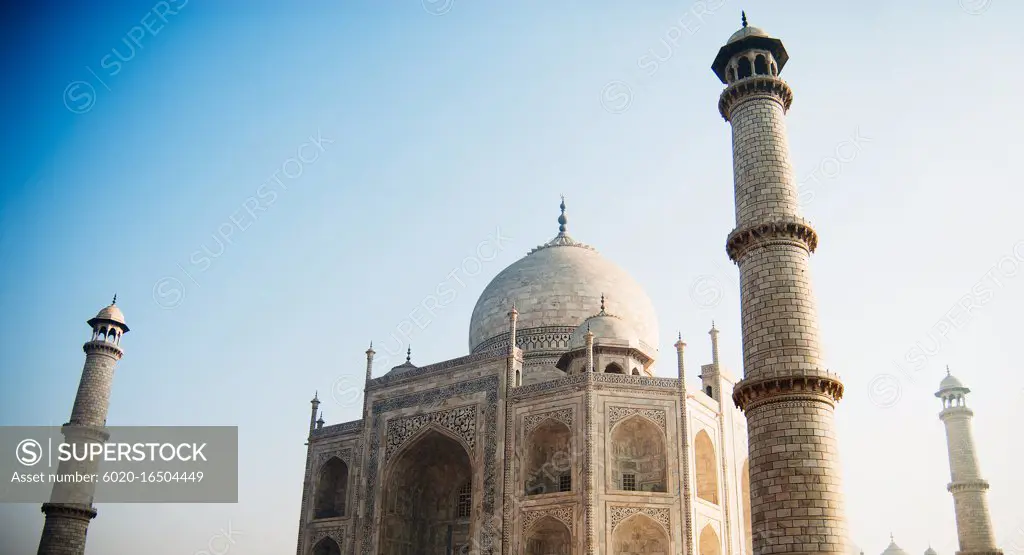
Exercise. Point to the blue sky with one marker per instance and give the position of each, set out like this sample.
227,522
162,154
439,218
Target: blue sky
436,132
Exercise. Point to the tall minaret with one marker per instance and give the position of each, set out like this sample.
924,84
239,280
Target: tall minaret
787,394
973,525
70,508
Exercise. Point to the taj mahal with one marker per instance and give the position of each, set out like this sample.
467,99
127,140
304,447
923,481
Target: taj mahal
555,435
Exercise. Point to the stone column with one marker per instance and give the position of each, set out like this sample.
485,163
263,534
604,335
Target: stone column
787,394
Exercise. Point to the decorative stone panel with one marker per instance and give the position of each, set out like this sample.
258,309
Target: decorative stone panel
336,534
562,514
460,421
344,454
616,414
616,514
531,421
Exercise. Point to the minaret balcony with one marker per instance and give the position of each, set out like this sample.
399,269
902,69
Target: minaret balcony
755,86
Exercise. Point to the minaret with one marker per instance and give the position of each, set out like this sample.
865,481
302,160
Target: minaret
710,374
70,508
684,431
312,417
973,525
787,394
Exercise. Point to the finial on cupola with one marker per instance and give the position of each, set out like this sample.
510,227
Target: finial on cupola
743,14
602,303
114,301
947,370
408,354
562,220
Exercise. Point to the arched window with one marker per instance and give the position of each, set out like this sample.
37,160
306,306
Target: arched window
639,534
327,546
519,378
744,67
709,391
707,467
760,65
331,489
709,544
638,456
613,368
731,75
549,458
548,536
464,503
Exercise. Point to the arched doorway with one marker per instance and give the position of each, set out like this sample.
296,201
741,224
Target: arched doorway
427,504
639,535
548,537
638,456
707,467
331,489
326,546
709,544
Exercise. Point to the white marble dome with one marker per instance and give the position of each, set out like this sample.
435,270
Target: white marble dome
555,288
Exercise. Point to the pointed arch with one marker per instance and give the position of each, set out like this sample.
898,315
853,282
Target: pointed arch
613,368
639,534
705,461
326,546
760,65
748,529
744,67
548,536
331,489
548,458
709,544
421,487
637,456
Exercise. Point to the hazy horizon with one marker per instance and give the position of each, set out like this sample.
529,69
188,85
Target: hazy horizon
154,164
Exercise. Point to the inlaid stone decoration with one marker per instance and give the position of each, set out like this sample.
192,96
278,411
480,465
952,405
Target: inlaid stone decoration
323,456
337,534
616,414
461,421
562,514
531,421
618,513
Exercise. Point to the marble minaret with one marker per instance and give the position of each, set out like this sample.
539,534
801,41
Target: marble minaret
70,508
787,393
973,525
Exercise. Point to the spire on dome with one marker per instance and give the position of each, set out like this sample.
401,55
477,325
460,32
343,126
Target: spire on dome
743,15
562,220
408,354
114,301
602,303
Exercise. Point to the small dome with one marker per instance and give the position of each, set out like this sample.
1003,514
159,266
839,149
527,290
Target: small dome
930,551
894,549
111,313
950,382
604,326
748,31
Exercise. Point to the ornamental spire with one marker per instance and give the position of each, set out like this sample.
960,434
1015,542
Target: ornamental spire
115,299
743,15
562,220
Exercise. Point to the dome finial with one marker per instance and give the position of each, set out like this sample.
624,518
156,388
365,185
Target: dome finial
408,354
743,15
602,303
115,299
947,370
562,220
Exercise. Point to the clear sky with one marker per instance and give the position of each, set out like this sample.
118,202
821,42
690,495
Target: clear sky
142,162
